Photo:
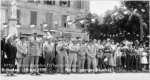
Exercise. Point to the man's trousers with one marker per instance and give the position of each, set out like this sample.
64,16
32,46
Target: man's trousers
20,65
26,63
72,61
81,62
49,56
92,60
34,63
62,62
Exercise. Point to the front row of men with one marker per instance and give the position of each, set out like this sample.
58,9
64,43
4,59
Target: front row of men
68,56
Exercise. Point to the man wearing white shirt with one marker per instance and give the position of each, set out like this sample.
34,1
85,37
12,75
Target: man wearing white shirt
91,56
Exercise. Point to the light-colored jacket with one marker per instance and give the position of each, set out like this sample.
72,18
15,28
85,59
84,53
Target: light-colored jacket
21,49
35,49
60,48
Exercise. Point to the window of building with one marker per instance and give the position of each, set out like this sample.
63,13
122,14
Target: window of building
18,16
79,5
31,1
64,21
49,19
64,3
33,17
34,1
49,2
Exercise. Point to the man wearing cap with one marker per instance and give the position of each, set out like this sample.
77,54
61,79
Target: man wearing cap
81,56
35,53
21,52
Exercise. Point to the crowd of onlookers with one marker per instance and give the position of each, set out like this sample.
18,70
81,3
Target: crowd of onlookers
35,54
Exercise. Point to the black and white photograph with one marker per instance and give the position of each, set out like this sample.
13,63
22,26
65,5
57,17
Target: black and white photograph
75,40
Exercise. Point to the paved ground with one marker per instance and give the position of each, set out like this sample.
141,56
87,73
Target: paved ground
101,76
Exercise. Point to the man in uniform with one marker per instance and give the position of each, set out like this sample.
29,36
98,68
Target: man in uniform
82,56
62,56
35,54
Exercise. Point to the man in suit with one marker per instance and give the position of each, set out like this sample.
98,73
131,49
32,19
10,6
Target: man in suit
26,60
21,52
11,51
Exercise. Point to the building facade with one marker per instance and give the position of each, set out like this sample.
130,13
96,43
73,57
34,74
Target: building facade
54,13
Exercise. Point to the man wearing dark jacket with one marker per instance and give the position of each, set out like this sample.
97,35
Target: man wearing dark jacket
3,54
11,51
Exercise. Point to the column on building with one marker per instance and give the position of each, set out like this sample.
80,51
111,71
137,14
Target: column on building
4,14
4,19
41,17
12,21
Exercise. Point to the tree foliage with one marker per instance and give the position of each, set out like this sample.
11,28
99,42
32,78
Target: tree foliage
141,6
122,20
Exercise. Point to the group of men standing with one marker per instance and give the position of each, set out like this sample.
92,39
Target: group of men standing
21,53
96,55
70,55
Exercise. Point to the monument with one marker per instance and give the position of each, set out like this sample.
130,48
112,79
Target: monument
12,21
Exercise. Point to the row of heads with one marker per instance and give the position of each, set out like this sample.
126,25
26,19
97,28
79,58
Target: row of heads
73,40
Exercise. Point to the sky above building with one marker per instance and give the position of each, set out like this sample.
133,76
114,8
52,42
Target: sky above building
101,6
